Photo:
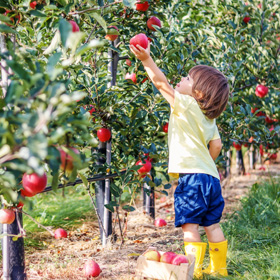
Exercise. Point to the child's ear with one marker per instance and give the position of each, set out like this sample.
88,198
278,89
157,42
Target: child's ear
198,94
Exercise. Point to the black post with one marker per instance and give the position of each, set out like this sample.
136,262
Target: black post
149,200
240,162
13,252
100,192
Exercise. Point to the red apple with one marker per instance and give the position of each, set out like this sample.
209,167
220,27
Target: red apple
112,34
142,6
92,109
272,156
33,4
75,26
144,80
246,19
160,222
128,62
147,166
269,120
131,77
7,216
60,233
261,91
180,259
152,255
165,128
153,21
140,39
33,184
104,134
91,268
17,16
168,257
237,146
259,114
67,160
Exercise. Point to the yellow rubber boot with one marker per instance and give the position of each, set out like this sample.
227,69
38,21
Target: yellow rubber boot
198,249
218,258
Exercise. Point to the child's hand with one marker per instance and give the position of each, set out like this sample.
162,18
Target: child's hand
141,53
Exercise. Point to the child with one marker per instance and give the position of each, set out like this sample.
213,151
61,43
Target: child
194,144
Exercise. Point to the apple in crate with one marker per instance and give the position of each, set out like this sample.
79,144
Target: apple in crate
152,255
160,222
180,259
168,257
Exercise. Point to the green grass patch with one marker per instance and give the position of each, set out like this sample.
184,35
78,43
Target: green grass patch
54,210
253,234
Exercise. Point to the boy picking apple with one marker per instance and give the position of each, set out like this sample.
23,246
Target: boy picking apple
194,144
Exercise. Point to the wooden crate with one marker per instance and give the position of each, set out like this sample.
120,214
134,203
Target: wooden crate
164,271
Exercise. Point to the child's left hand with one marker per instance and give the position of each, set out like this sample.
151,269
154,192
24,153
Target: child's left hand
141,53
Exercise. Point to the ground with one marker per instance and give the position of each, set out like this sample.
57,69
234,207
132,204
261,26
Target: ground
64,259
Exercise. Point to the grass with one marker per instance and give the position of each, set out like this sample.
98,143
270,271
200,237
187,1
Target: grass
54,210
253,233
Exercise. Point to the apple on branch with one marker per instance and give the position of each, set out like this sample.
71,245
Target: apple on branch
33,184
261,91
165,128
146,167
153,21
103,134
112,34
67,161
246,19
75,26
237,146
33,5
131,77
142,6
7,216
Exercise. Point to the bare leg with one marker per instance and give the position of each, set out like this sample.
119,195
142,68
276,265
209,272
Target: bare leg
191,233
214,233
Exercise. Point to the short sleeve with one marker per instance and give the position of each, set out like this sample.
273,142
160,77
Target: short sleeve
216,134
181,102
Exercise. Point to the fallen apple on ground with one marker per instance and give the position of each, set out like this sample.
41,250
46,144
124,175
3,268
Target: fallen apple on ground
7,216
60,233
168,257
152,255
160,222
92,268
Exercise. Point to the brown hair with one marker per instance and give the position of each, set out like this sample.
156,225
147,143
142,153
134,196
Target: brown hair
210,89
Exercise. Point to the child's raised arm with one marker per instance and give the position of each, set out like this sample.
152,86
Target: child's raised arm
158,78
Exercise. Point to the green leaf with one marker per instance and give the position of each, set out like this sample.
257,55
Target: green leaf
100,20
55,180
91,45
37,13
110,207
7,29
128,208
65,29
84,179
18,69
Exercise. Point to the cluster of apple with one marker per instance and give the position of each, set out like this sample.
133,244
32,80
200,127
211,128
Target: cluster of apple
166,257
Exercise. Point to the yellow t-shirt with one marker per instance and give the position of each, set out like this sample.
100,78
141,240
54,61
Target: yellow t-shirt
189,132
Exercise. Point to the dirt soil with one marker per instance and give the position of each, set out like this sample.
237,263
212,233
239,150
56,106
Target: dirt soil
64,259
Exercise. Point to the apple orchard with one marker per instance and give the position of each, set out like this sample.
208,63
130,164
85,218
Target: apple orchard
56,103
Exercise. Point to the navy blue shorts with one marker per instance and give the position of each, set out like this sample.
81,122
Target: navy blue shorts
198,200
